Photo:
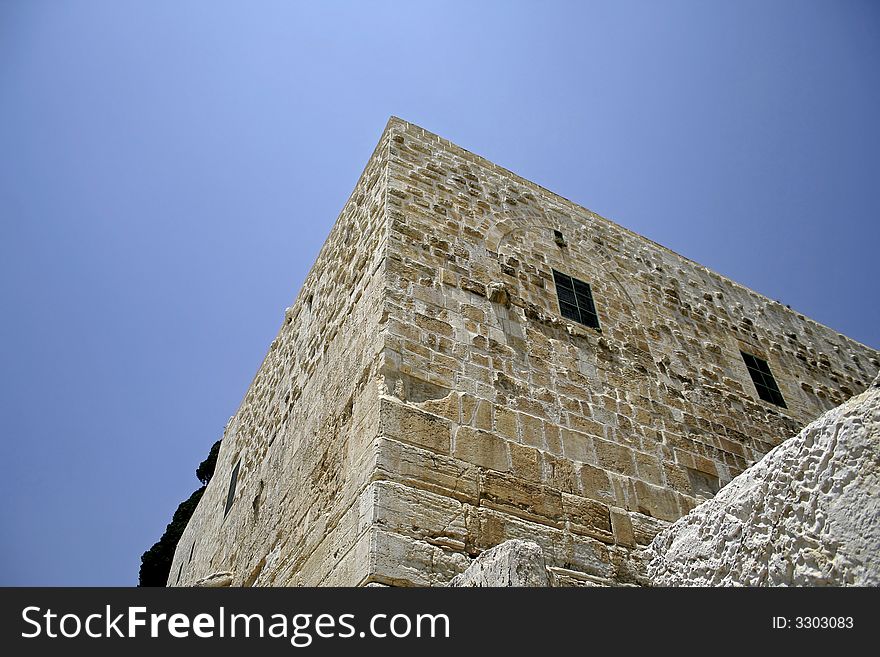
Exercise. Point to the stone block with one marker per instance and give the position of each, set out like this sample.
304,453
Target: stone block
560,473
532,430
482,448
648,468
420,468
585,425
410,425
586,513
656,501
525,462
577,446
596,484
512,563
506,423
622,527
614,457
522,498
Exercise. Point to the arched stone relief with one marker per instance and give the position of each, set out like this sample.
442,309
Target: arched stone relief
505,233
620,310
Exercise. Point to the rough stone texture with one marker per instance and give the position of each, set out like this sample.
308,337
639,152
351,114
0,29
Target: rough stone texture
512,563
807,514
215,581
305,434
425,400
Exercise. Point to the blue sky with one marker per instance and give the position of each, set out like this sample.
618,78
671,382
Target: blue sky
169,170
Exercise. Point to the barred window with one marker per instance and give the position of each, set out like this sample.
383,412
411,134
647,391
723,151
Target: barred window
575,299
764,382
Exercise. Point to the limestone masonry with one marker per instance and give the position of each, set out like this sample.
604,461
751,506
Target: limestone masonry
428,396
808,514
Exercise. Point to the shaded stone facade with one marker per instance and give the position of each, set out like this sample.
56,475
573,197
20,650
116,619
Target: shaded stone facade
426,400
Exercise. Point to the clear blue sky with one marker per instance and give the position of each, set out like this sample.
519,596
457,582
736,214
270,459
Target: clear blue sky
169,170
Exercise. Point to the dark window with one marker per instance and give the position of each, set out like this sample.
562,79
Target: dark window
230,497
575,300
764,382
559,238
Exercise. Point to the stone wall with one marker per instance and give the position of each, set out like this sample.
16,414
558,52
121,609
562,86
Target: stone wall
808,514
507,421
434,403
305,432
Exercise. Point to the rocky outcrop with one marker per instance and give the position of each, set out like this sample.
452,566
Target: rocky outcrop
807,514
511,563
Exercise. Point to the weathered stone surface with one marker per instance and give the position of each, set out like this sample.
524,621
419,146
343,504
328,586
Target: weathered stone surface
304,435
425,399
808,514
512,563
215,581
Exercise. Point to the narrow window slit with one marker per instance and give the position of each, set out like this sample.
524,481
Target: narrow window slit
230,497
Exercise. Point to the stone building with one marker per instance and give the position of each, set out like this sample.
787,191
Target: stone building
472,359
